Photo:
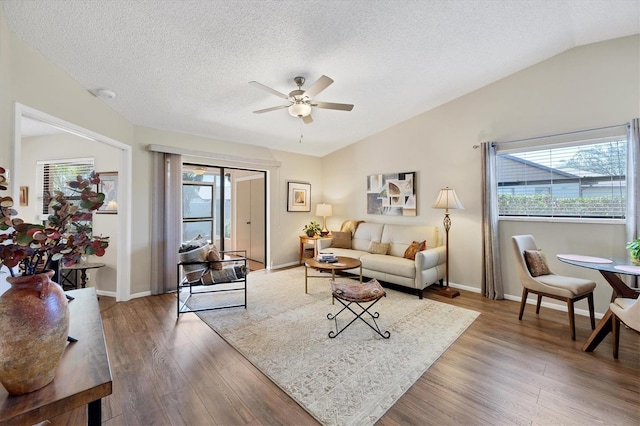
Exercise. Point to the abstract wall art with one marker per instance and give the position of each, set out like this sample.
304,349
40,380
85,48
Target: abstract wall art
392,194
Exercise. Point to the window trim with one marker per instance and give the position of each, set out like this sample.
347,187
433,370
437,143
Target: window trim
535,145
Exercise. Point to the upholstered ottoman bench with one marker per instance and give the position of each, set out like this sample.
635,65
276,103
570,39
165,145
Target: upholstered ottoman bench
349,294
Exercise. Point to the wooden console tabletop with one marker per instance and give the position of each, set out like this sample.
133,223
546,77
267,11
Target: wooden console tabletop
83,376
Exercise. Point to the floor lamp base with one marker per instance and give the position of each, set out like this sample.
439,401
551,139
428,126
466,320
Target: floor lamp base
448,292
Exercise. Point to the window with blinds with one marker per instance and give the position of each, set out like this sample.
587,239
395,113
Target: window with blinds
54,175
584,179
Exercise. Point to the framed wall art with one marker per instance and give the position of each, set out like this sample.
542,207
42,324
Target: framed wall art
24,195
109,186
392,194
299,197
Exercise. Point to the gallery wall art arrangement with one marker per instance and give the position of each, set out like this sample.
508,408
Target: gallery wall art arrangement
392,194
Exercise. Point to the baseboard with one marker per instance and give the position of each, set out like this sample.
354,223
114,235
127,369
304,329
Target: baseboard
141,294
464,287
284,265
106,293
113,294
556,306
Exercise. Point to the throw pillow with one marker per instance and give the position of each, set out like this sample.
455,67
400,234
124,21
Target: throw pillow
350,226
376,247
194,251
214,258
414,247
341,239
536,262
225,275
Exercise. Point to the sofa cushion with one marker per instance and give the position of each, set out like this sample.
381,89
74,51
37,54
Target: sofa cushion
389,264
401,236
376,247
354,254
341,239
365,233
414,247
536,263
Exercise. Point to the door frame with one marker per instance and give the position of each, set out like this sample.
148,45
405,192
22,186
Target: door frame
123,272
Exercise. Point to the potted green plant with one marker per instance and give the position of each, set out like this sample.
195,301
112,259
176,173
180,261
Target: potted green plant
312,229
634,250
34,312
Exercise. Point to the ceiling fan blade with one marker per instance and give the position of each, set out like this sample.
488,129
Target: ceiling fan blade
307,119
332,105
320,84
268,89
260,111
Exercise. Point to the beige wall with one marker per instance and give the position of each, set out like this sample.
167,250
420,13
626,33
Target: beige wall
29,79
587,87
59,146
284,227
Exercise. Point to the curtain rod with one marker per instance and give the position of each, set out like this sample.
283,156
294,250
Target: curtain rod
554,135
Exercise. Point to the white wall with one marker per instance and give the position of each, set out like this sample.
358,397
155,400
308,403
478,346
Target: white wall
66,146
587,87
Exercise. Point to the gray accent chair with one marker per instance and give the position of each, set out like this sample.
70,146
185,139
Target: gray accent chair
567,289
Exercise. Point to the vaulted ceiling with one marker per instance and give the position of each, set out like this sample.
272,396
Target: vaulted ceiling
185,65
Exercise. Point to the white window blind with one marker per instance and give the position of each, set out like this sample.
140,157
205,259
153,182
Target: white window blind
54,175
581,179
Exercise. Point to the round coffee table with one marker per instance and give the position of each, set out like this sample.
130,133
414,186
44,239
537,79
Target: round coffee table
343,264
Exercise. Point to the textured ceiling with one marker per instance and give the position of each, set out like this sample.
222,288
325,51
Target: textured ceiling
184,66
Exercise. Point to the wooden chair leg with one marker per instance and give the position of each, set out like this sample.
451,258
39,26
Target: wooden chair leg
591,311
572,323
523,302
615,331
538,304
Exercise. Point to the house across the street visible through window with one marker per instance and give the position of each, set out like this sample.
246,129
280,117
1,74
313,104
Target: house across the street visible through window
583,179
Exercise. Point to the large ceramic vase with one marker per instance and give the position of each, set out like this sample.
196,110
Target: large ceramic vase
34,325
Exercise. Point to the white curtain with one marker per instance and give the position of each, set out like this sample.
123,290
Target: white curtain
491,274
633,180
166,218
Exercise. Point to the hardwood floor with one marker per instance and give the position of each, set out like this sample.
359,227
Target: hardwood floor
501,371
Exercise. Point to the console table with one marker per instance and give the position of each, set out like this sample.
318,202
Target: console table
83,376
82,267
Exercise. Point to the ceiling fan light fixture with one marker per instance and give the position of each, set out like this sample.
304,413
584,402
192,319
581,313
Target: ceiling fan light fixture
300,109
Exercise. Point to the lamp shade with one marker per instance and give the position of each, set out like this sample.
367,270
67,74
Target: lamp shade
447,199
299,109
324,210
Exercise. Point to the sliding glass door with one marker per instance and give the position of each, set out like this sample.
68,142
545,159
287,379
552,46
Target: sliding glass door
226,206
200,190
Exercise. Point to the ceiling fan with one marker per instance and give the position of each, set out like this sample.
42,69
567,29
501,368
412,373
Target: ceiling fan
301,101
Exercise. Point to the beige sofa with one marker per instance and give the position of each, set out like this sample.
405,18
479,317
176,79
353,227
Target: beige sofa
427,268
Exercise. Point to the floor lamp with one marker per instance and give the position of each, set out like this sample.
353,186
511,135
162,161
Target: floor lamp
447,199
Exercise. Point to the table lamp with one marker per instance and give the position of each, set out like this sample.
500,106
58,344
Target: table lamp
447,199
324,210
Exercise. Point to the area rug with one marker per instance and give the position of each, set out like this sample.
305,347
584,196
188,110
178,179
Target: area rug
352,379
